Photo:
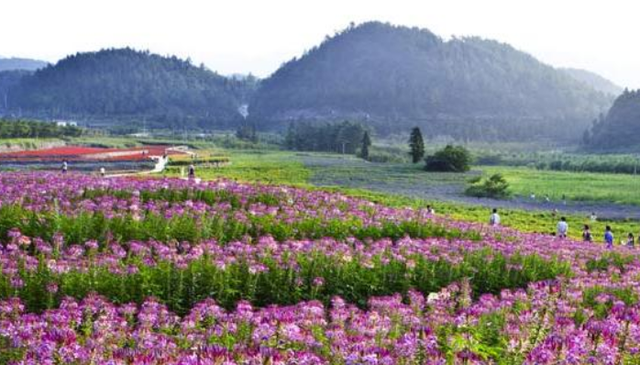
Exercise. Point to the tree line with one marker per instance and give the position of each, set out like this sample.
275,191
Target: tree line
341,137
33,129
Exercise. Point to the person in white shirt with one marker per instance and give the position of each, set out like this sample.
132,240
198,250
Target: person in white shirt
494,219
103,172
563,228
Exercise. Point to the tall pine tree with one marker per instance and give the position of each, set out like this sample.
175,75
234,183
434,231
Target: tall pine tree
366,143
416,143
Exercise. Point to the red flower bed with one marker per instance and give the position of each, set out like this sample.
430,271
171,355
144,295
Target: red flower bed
88,153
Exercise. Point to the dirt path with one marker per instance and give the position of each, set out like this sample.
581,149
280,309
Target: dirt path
403,180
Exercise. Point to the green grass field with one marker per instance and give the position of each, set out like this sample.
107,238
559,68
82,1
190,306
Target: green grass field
313,170
583,186
272,167
402,184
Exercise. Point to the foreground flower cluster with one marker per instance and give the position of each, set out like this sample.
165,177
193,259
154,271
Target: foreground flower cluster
166,271
546,324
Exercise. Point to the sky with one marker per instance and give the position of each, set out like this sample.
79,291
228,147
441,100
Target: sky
257,36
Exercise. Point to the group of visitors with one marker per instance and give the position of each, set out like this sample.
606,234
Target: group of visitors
608,237
64,168
562,230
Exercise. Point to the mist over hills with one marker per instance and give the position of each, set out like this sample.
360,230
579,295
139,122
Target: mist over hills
594,80
11,64
395,77
389,77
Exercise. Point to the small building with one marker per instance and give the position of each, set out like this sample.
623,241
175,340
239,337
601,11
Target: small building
65,123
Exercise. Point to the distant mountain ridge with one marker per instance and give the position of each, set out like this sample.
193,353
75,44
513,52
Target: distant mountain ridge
124,85
594,80
391,78
13,64
394,77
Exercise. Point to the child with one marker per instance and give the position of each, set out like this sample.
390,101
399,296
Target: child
586,234
430,210
608,237
563,228
631,240
494,219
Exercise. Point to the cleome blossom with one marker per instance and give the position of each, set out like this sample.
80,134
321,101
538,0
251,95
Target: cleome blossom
165,271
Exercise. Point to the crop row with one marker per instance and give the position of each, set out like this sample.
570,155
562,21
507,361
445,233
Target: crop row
548,323
265,272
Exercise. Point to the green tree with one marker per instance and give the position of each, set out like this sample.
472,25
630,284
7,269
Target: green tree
449,159
366,143
495,187
247,133
416,143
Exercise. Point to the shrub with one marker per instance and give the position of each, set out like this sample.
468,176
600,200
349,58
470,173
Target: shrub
449,159
495,187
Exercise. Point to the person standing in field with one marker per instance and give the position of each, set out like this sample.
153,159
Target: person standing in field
593,217
430,210
586,234
608,237
631,241
563,228
65,166
192,171
103,172
494,219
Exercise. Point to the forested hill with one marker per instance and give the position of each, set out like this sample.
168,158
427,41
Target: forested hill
9,64
620,129
594,80
397,77
124,85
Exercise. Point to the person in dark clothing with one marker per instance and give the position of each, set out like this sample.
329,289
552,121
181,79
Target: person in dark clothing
631,241
586,234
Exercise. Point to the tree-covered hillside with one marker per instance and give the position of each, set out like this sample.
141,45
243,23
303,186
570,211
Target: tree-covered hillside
124,85
395,78
8,80
619,130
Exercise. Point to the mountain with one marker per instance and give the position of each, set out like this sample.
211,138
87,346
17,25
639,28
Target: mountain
8,64
395,78
619,130
123,86
594,80
9,80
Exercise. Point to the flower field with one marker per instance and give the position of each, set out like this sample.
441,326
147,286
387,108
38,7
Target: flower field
166,271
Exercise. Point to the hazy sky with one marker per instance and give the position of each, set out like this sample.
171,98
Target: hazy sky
241,36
